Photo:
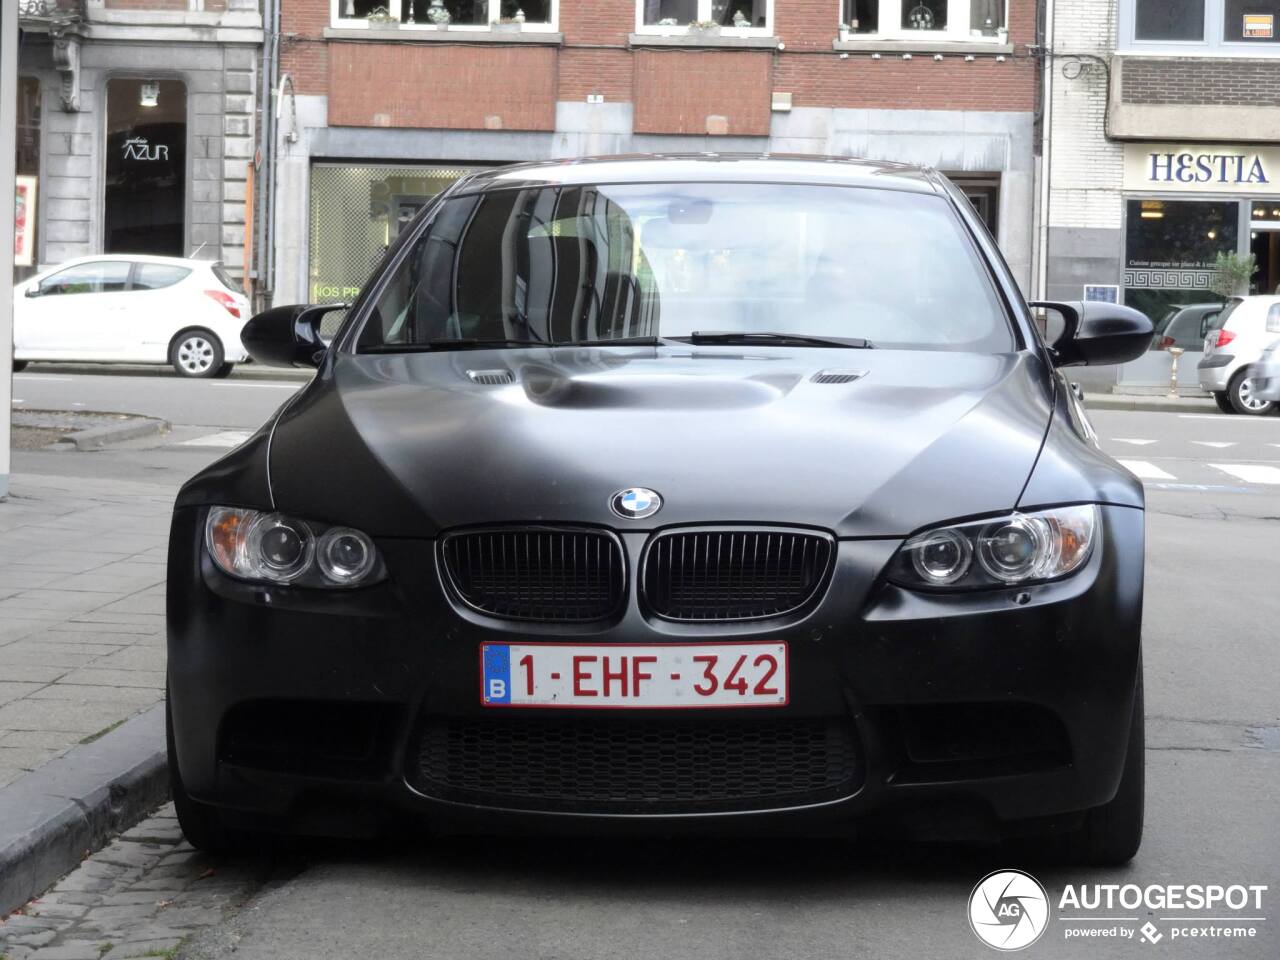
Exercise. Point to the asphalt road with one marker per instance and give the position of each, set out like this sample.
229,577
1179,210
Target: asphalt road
1213,766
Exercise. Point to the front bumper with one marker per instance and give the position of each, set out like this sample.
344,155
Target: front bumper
903,672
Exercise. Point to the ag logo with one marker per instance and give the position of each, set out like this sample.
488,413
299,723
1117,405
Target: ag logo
1008,910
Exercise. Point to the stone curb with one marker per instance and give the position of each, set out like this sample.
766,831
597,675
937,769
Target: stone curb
1105,401
96,438
53,816
242,371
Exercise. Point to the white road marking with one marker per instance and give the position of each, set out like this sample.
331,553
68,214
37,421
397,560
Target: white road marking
1250,472
1136,443
224,438
1223,417
1218,444
1145,470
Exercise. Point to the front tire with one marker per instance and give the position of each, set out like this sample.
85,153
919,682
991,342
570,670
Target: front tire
224,371
1223,401
196,353
1240,394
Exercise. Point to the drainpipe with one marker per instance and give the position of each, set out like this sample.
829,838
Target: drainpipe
1046,156
266,180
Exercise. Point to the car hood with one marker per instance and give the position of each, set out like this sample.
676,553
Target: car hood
411,444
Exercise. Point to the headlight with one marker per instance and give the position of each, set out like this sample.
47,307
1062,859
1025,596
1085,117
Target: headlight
271,547
1021,548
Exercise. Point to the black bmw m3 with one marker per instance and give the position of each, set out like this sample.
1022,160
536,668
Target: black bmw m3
671,494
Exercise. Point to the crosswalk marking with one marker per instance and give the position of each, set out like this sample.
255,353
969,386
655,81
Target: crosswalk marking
1217,444
1136,442
1250,472
1145,470
223,438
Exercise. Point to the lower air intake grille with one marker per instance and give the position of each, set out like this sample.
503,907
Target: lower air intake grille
636,764
556,575
734,574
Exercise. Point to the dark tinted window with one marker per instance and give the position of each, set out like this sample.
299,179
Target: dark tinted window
1169,20
98,276
226,279
588,263
156,276
1251,21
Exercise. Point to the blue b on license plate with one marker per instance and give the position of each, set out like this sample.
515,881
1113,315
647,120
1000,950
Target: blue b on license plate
636,676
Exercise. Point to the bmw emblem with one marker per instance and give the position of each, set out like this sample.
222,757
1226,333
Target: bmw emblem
635,503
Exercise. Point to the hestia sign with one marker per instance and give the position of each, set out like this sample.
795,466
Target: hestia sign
1202,168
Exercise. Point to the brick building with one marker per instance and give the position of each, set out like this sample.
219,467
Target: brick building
1163,118
135,128
383,102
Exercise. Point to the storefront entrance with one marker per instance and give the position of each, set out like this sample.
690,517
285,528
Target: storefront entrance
144,208
1264,242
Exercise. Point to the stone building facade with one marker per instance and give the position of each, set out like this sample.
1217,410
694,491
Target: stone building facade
137,127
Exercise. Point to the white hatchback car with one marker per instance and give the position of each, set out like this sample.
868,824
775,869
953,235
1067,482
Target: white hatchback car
132,309
1237,337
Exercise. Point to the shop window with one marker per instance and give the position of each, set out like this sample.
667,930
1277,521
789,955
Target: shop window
457,14
27,195
738,17
97,276
1199,27
932,19
1170,250
356,213
144,208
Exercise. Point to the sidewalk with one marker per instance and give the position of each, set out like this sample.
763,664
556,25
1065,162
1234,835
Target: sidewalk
1149,402
82,571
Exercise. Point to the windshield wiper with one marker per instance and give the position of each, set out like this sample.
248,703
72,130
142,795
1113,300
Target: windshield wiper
615,342
453,343
781,339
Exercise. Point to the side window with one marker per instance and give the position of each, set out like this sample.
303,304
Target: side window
98,276
1273,319
157,276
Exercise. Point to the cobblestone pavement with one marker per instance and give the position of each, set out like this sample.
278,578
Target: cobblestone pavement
138,897
82,569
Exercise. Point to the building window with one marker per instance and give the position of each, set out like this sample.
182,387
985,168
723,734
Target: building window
1200,28
540,15
144,200
925,19
732,17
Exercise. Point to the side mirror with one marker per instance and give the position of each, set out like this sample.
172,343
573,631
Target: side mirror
1096,333
32,291
288,336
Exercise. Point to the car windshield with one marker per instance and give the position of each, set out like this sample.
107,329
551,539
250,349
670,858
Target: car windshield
608,262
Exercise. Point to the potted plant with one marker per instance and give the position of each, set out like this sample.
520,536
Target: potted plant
507,25
704,28
380,18
438,15
1232,273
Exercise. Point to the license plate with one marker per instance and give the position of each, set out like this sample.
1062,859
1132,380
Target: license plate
640,676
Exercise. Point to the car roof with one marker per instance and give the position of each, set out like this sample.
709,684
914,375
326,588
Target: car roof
708,167
134,258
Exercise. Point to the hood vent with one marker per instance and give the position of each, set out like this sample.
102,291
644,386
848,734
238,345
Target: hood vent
837,376
491,378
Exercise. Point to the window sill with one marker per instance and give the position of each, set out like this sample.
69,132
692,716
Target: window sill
885,45
718,41
433,35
